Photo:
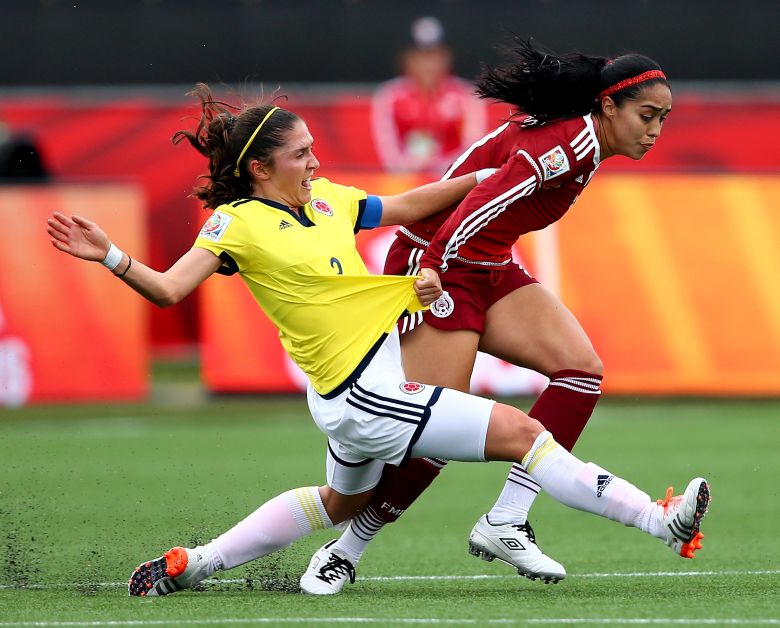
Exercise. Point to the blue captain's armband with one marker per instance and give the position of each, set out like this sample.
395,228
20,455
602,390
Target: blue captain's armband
369,213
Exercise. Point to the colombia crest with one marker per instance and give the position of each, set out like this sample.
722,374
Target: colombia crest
411,388
320,206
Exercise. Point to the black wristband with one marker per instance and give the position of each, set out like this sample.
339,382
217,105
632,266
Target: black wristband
129,264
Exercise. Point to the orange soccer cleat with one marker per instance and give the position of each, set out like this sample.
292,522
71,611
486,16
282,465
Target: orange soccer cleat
682,515
179,568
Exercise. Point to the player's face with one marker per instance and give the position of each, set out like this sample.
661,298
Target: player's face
636,124
293,165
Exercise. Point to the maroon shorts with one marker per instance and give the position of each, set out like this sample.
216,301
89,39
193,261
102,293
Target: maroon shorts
468,290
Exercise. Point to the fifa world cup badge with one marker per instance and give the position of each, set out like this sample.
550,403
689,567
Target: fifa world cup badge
443,306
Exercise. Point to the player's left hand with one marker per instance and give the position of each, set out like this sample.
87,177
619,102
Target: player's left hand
428,286
77,236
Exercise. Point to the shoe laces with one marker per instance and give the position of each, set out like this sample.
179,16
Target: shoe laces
526,529
669,501
335,568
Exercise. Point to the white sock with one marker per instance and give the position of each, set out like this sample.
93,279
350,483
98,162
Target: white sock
583,486
362,529
273,526
213,561
651,521
516,498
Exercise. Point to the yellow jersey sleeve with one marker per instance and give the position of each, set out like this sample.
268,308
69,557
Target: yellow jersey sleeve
225,234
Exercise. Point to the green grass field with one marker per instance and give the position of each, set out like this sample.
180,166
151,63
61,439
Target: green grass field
87,492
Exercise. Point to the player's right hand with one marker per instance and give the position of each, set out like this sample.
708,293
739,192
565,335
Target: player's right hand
428,286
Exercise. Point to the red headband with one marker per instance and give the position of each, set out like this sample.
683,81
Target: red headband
645,76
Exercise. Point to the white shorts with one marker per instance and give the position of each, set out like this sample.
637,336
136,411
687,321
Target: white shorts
383,418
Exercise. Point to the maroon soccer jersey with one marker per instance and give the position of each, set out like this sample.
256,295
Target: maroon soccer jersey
542,171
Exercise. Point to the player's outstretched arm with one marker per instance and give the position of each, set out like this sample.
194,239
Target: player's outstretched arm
84,239
428,199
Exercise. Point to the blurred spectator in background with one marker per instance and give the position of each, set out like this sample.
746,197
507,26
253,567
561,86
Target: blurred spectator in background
424,119
20,157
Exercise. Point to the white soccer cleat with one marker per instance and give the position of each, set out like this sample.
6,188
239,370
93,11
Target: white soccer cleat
179,568
682,515
514,544
328,572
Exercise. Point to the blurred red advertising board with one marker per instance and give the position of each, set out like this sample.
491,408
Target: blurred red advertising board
69,330
126,136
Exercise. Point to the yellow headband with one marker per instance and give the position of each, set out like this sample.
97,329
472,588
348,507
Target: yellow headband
237,172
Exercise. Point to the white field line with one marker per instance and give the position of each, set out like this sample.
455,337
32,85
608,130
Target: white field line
634,574
405,621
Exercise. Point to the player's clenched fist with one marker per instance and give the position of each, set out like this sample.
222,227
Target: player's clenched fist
428,286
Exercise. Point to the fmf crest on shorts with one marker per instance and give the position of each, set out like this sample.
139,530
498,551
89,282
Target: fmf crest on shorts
443,306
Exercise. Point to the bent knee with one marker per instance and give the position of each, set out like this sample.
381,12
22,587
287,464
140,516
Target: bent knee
341,507
585,361
511,433
593,365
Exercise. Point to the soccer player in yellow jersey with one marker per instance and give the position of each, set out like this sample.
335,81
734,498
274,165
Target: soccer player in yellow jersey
291,239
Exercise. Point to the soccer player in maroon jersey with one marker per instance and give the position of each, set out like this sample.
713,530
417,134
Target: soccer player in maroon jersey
571,112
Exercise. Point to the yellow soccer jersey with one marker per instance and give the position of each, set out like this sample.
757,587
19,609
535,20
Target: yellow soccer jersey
307,276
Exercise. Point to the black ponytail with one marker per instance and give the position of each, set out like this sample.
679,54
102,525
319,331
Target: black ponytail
547,86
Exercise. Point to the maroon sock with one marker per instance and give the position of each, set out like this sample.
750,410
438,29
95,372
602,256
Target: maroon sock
565,406
400,486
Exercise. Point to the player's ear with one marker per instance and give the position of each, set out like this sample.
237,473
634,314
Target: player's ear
608,106
259,170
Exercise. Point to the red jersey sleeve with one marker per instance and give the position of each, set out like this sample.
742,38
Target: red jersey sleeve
518,177
543,158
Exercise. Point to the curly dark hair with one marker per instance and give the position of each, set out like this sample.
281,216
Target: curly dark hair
222,132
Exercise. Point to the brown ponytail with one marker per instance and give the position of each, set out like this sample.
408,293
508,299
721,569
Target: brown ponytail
220,136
